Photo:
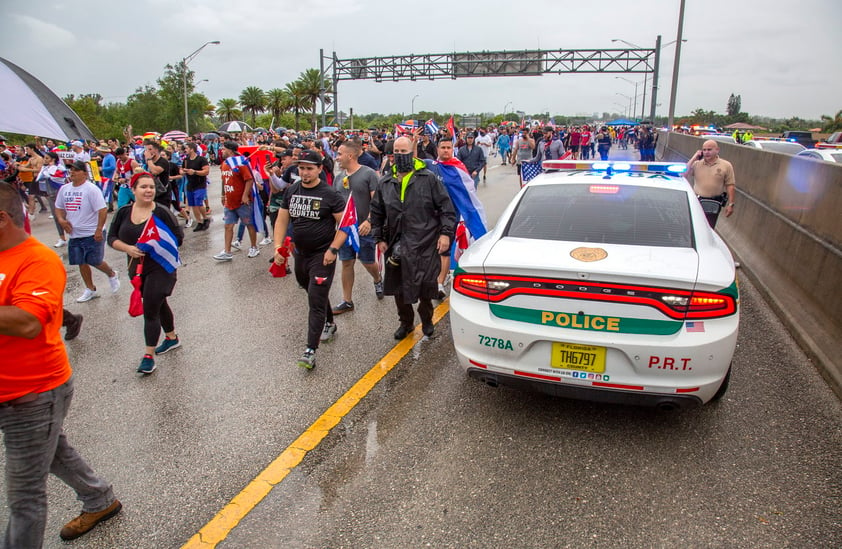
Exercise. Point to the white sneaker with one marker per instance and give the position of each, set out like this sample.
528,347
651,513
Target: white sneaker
114,281
59,243
236,245
87,296
223,256
266,241
254,252
189,222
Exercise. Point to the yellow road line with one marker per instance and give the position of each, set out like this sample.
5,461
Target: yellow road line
218,528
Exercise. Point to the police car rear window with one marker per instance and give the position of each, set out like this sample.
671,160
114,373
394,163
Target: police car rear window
605,214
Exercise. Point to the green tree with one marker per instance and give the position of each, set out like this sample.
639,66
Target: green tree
734,105
298,100
144,110
254,100
227,109
311,82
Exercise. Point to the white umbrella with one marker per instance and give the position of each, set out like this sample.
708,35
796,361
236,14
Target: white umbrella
234,126
29,107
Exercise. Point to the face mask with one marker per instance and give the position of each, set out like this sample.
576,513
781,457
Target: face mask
404,162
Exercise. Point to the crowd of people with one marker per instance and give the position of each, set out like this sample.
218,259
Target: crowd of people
402,202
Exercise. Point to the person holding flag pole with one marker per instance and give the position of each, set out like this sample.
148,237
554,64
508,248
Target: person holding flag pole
150,236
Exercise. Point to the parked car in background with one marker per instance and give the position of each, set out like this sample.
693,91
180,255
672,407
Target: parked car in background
786,147
723,137
828,155
832,142
802,137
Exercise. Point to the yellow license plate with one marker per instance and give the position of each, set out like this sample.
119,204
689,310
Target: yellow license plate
582,358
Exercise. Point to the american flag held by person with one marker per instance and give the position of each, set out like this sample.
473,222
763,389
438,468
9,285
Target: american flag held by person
530,170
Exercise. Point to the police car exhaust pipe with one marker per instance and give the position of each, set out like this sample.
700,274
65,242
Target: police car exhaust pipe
666,406
491,381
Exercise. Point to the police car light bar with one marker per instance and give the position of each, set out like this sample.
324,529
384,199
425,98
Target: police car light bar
672,168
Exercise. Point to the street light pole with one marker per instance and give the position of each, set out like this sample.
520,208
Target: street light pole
504,108
412,106
675,66
184,63
628,110
634,111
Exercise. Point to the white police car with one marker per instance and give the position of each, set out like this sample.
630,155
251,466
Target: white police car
601,281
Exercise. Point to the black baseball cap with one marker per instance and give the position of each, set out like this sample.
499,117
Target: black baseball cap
231,146
310,157
79,165
287,152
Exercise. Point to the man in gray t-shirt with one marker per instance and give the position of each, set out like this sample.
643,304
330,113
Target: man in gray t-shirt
360,182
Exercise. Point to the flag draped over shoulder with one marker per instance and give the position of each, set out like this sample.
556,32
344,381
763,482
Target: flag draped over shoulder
234,162
460,187
160,244
349,224
257,217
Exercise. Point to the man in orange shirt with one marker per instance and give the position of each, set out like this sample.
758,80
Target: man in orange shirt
36,388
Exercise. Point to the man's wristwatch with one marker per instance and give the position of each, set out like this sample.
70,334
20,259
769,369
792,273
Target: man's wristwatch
334,251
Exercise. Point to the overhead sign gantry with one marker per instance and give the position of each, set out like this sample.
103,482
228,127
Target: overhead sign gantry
437,66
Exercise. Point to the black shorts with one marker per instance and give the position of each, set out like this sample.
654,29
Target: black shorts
34,189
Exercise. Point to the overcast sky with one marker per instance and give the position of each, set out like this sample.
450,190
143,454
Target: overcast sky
768,51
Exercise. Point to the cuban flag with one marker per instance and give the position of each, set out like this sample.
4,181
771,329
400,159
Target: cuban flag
349,224
234,162
451,128
460,187
401,129
257,218
160,243
431,127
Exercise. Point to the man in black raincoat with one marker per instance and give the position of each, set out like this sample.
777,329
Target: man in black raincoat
413,221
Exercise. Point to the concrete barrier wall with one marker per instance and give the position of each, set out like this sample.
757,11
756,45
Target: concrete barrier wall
787,232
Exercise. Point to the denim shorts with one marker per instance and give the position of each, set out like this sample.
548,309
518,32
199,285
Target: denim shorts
86,250
243,213
366,253
197,197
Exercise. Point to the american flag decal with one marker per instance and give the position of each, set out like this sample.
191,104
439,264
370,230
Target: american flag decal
695,326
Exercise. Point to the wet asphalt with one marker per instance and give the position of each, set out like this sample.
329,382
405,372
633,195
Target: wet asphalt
429,458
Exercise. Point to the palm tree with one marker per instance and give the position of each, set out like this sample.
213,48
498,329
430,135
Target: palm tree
311,83
253,99
298,100
278,101
830,125
227,109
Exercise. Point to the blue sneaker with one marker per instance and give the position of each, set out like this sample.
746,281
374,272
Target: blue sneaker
147,365
167,345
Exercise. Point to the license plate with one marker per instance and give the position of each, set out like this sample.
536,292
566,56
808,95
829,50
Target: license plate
583,358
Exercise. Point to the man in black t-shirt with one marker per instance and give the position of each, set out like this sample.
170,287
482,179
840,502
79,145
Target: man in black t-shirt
196,168
159,167
315,210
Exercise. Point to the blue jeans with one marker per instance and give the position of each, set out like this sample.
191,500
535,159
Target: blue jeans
36,446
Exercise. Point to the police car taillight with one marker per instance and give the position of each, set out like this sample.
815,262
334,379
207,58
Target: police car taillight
478,286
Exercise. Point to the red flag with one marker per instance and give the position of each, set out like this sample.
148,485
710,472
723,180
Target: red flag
451,128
